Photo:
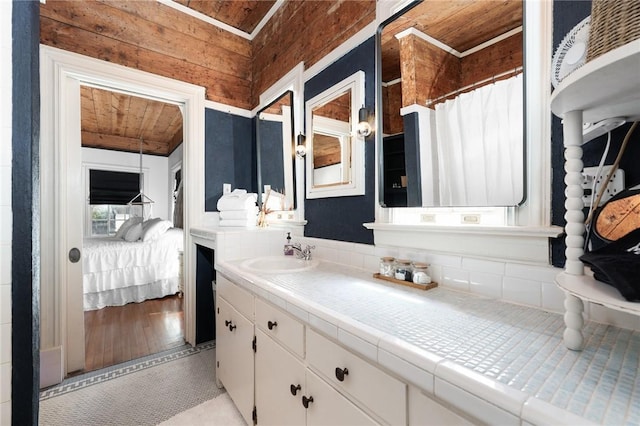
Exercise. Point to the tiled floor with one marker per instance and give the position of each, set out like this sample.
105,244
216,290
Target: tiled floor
142,392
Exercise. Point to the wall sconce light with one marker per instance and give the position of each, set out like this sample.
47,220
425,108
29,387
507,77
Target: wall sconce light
363,128
301,149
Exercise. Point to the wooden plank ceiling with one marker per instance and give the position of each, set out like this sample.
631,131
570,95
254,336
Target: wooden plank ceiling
244,15
117,121
122,122
460,24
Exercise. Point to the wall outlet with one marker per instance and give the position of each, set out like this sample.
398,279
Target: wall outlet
473,219
427,218
616,184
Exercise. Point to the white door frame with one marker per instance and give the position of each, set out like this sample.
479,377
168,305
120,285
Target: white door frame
61,74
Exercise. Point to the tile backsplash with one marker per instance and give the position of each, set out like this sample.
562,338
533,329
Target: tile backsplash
523,284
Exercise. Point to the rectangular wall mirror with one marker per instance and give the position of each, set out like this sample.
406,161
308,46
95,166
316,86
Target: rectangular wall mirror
335,153
275,145
450,96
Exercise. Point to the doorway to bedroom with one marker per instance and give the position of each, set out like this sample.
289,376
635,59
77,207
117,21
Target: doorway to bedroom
133,242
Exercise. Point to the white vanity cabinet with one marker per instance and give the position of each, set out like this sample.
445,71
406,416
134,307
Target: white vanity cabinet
328,407
287,392
425,411
280,383
234,351
380,392
297,376
280,326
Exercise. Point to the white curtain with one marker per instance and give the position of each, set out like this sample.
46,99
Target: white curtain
480,146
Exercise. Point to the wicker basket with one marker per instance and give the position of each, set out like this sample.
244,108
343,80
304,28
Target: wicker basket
613,23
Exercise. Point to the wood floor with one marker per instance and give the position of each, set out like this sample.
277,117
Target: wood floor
121,333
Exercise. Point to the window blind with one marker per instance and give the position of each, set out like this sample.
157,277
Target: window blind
109,187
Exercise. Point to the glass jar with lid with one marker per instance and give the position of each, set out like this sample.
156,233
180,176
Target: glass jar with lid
386,266
420,275
403,270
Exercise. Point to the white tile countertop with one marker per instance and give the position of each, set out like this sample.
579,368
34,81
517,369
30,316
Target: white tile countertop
506,362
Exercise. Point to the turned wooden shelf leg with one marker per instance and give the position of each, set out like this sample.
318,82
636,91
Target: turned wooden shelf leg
573,338
573,321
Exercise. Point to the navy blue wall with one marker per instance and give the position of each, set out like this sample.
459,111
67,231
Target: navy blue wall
412,159
341,218
566,15
25,250
271,154
229,155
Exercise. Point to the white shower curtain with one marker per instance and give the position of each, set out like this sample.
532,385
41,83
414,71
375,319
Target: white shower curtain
480,146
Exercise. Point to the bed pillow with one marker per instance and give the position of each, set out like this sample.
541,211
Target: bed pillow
156,229
149,222
134,233
127,225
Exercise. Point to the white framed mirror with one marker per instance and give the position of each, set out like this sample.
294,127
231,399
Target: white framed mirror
275,145
451,95
335,152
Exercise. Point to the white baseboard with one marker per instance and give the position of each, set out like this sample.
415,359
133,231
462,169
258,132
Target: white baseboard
51,371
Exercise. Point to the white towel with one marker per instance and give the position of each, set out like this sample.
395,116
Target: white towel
237,202
239,214
243,223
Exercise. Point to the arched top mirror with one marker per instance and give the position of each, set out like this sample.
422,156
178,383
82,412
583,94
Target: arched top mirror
451,104
275,145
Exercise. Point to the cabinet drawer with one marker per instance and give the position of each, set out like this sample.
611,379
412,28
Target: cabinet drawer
239,298
280,326
379,392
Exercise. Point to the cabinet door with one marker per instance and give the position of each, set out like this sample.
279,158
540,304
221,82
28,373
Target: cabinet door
329,407
277,370
424,410
234,355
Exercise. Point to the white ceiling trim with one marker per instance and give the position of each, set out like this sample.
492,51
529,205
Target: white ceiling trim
266,18
437,43
451,50
492,41
205,18
220,24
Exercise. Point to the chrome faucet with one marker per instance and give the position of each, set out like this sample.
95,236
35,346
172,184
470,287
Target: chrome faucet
300,253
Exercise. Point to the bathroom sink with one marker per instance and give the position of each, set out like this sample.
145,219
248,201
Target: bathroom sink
278,264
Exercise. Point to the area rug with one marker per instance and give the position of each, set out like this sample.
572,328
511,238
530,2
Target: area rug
219,411
147,391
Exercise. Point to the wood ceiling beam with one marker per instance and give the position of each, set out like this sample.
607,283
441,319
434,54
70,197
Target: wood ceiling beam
121,143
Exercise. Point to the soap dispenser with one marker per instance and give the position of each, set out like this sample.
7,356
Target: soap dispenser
288,247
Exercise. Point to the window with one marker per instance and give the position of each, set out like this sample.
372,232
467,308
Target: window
109,193
107,218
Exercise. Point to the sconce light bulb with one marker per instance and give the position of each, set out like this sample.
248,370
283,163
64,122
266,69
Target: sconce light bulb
364,129
301,150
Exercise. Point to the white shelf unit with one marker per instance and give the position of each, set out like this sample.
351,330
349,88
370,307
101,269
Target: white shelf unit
606,87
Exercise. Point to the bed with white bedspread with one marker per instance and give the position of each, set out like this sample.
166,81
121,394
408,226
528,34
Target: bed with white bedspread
117,271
